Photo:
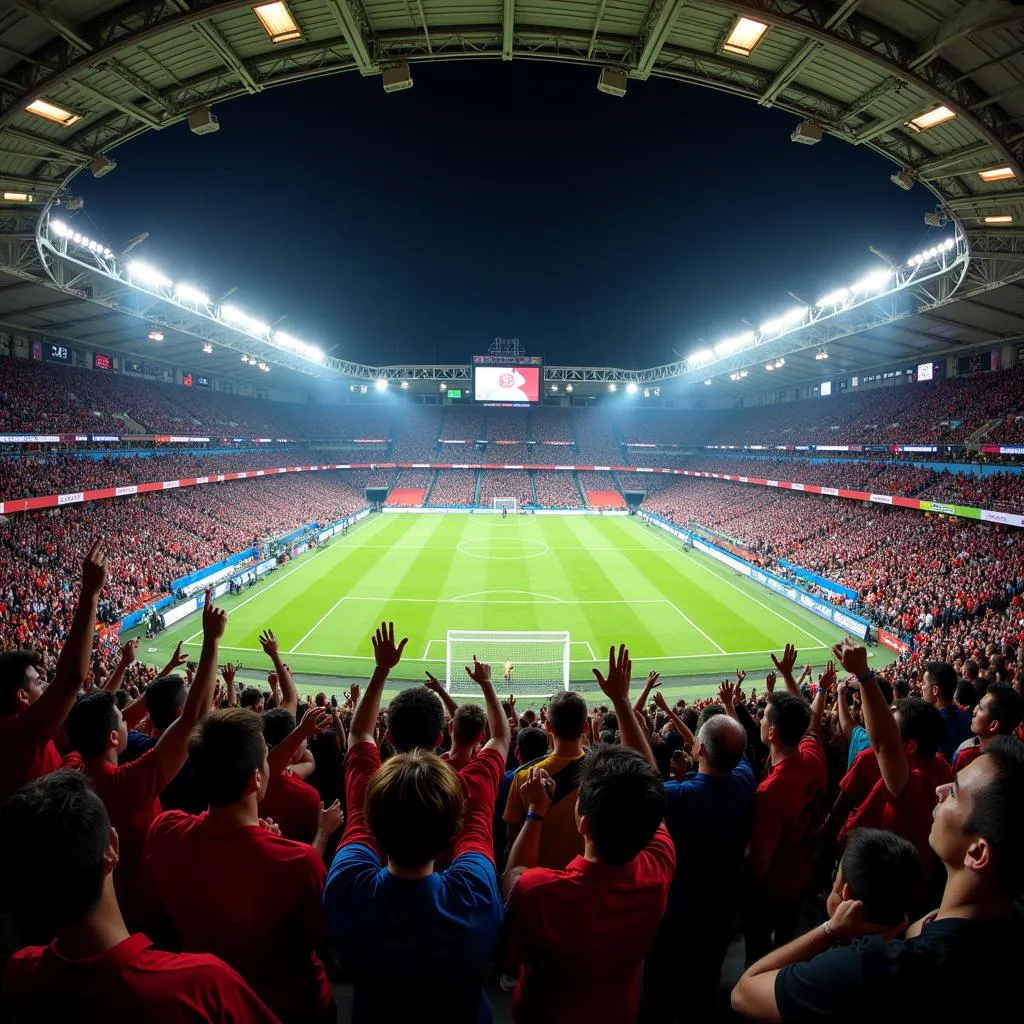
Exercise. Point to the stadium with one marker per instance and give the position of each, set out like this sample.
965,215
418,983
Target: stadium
313,557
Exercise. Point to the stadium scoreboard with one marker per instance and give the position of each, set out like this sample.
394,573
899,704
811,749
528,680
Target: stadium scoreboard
507,380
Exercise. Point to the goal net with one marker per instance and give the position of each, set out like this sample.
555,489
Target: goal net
512,504
539,661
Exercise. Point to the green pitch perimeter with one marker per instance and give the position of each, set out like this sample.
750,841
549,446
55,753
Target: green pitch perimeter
603,579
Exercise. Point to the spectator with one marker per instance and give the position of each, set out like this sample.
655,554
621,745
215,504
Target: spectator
383,887
560,841
578,935
999,713
939,689
95,970
469,725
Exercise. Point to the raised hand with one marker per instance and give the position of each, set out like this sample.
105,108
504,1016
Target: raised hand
512,701
353,694
827,679
177,658
727,693
271,826
660,702
215,620
315,720
770,681
537,791
785,666
329,819
228,672
94,569
853,656
385,652
433,683
615,685
128,650
740,676
653,680
480,673
807,672
269,643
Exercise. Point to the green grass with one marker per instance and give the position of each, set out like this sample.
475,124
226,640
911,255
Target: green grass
604,580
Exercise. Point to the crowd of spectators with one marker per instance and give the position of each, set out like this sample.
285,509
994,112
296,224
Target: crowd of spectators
556,489
454,487
859,832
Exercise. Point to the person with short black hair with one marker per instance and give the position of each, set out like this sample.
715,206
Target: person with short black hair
848,969
32,713
384,896
939,689
881,870
998,713
788,806
576,937
469,726
561,840
95,970
415,720
252,698
264,916
530,745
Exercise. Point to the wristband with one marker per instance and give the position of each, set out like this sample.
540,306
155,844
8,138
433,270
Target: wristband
870,674
827,929
532,816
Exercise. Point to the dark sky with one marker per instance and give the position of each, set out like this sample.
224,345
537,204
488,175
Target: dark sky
505,199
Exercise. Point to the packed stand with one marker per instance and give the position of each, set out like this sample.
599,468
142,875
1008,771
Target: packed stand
502,483
556,489
454,487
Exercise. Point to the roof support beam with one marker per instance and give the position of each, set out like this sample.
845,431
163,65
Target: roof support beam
936,168
661,16
997,200
220,46
63,28
597,25
123,105
975,16
355,24
47,145
508,25
866,99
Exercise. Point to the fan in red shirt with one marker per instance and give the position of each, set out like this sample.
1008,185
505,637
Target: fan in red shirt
998,713
469,728
260,907
95,971
577,937
788,807
31,713
98,731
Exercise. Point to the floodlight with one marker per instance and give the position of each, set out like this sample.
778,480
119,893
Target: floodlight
769,367
876,281
102,165
278,22
381,383
647,393
235,316
836,298
997,174
657,392
568,387
186,293
554,387
745,35
444,387
708,382
631,388
788,319
148,275
1000,218
732,345
612,81
362,389
779,363
930,119
704,355
807,132
904,179
405,385
58,227
397,78
155,336
17,197
207,348
52,112
203,121
612,387
821,354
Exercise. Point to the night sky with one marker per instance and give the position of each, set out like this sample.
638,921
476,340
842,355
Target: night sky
505,199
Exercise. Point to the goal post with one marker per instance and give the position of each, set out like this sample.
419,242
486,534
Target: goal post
539,661
511,504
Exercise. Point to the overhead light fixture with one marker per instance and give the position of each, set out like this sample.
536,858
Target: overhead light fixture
155,336
53,112
807,132
245,359
554,387
998,218
821,354
631,388
278,22
997,174
363,389
233,315
568,387
647,393
732,345
781,323
836,298
745,35
769,367
875,281
17,197
704,355
444,387
102,165
779,363
612,81
657,392
286,341
612,387
708,382
187,293
148,275
931,118
207,348
381,383
397,77
405,385
903,179
203,121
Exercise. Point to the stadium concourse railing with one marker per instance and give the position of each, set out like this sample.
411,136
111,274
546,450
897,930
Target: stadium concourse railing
25,504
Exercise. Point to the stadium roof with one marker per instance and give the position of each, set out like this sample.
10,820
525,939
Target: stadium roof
862,70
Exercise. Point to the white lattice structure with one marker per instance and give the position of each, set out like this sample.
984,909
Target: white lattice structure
522,662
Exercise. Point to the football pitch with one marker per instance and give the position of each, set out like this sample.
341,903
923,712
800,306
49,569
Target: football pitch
604,580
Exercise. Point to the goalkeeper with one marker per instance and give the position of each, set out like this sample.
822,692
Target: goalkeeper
509,667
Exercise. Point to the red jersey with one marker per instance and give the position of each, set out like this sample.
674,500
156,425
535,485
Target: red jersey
131,981
788,806
25,754
561,925
256,902
966,756
131,794
294,805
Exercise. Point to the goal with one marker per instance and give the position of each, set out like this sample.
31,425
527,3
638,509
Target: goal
512,504
540,661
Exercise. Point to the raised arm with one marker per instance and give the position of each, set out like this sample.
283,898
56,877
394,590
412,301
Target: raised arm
177,660
313,721
228,672
677,723
497,723
785,667
882,728
124,662
45,717
449,702
826,683
616,688
289,695
386,655
172,747
652,682
536,792
846,721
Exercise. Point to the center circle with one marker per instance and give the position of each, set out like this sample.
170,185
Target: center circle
485,548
